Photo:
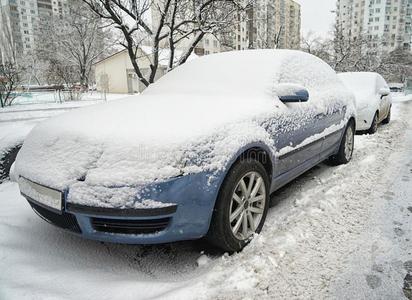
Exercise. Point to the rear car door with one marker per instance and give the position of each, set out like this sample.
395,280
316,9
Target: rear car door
333,118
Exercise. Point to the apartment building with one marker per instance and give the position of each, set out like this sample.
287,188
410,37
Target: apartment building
269,24
274,24
386,24
235,38
290,37
21,22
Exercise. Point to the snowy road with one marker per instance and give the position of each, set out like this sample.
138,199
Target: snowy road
336,232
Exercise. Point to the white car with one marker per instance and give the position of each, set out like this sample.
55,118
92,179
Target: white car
373,99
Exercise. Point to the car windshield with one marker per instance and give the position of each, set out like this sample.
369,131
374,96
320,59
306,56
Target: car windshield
235,73
359,83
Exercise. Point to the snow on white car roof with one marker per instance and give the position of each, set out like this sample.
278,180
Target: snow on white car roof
360,82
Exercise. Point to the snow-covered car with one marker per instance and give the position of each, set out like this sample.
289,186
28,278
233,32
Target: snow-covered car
196,154
373,99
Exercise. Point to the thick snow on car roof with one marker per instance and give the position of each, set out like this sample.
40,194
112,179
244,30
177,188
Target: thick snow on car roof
252,72
240,72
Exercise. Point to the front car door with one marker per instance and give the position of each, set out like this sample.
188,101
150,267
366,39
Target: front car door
291,131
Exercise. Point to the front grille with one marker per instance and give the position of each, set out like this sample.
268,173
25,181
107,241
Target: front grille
65,220
130,226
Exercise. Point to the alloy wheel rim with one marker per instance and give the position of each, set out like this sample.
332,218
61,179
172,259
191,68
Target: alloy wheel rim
349,143
247,205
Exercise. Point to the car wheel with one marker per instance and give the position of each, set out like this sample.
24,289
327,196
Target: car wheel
346,147
388,117
241,207
7,160
374,126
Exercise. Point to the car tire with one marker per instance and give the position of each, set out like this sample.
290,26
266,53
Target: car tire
225,231
346,147
374,125
388,117
7,160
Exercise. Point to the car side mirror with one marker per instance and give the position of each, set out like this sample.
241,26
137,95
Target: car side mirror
290,92
384,92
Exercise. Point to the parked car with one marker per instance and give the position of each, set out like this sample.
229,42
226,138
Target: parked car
196,154
396,87
373,99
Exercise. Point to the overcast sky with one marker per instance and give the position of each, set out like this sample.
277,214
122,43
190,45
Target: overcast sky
317,16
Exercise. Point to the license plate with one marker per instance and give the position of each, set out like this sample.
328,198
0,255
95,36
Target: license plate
48,197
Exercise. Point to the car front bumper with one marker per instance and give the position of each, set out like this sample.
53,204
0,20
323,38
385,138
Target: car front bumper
188,216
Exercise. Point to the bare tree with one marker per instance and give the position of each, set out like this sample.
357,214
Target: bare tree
343,52
171,24
396,65
10,75
355,53
318,46
80,41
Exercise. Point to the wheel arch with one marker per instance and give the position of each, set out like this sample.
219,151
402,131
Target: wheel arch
259,151
255,151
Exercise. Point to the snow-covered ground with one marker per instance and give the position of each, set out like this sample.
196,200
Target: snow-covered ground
42,108
401,97
47,97
336,232
18,120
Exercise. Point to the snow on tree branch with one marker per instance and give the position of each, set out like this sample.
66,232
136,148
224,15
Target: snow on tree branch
166,24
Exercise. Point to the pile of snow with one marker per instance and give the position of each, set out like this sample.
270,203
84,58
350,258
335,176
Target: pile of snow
13,135
193,119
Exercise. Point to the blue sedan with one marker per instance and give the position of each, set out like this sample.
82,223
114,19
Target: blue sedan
197,154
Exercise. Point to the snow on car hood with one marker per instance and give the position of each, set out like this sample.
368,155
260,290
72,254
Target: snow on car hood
136,141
